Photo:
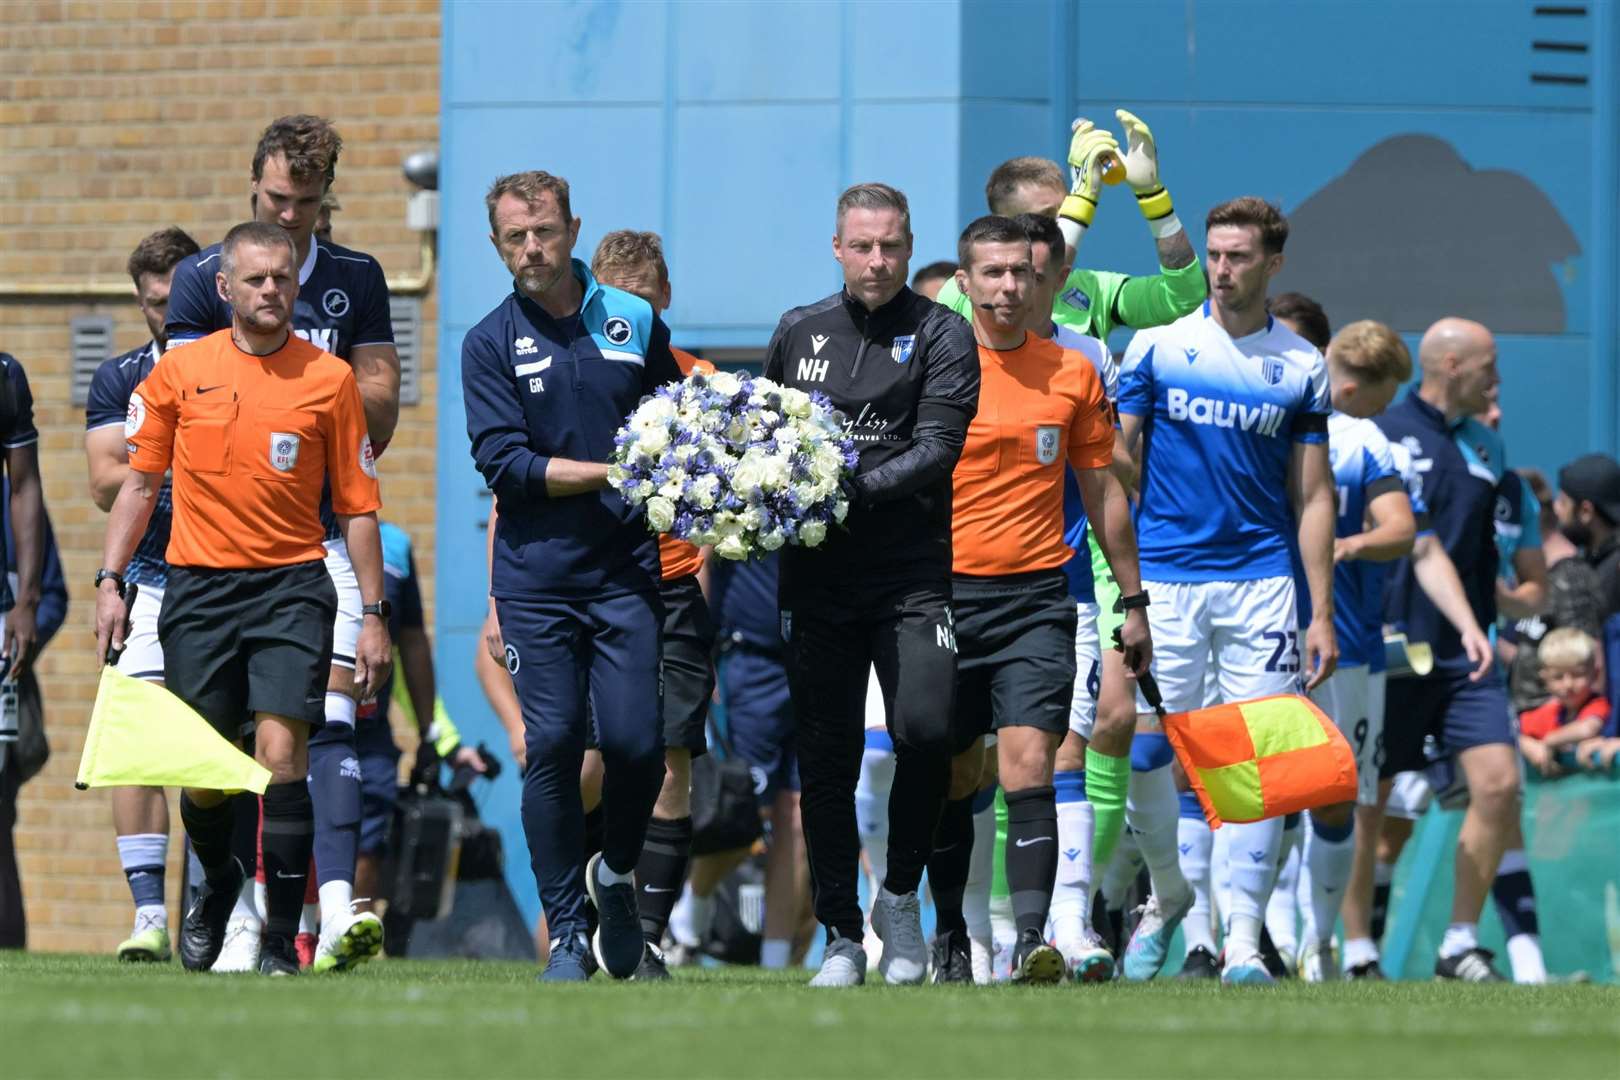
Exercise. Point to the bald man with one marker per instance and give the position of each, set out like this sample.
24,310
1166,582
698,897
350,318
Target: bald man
1464,708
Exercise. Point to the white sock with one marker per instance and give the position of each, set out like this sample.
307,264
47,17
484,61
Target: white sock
872,812
1220,875
1460,937
336,898
1329,862
774,953
1524,953
1282,908
309,919
680,919
981,872
1252,862
1152,810
247,903
1194,839
340,708
142,850
1071,895
1358,951
609,876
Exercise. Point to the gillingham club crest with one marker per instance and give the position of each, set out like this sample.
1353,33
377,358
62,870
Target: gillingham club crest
900,351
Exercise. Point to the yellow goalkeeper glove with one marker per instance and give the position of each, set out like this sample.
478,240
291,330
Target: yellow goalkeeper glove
1142,171
1093,161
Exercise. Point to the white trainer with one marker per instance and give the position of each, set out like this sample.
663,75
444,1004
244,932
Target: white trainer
982,954
347,942
844,964
898,921
241,949
1316,963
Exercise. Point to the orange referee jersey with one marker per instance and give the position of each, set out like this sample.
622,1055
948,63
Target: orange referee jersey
251,440
1041,409
677,558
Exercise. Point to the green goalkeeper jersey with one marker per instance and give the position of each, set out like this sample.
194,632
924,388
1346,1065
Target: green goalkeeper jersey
1096,301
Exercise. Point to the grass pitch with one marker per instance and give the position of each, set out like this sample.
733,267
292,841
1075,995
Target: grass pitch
82,1017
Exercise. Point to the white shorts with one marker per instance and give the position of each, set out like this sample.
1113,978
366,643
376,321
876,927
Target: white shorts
1354,698
1246,632
346,627
1087,671
143,653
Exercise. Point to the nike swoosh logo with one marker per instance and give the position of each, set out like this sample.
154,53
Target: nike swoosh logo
208,389
284,876
1036,840
654,889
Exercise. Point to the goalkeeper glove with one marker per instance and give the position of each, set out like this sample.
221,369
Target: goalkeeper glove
1092,153
1142,171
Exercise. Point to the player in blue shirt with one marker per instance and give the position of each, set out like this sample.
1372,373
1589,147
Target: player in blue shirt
140,815
342,306
1467,713
1231,409
548,376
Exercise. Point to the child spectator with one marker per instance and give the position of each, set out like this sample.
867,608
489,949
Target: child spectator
1576,713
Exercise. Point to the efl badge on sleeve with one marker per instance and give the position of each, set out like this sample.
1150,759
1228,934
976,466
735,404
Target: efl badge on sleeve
1047,442
283,451
135,416
901,349
368,457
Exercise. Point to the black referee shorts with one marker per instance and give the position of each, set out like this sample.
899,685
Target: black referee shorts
1014,654
239,642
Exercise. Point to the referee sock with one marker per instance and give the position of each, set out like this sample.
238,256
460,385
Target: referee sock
210,831
1032,856
1107,780
288,837
660,873
949,864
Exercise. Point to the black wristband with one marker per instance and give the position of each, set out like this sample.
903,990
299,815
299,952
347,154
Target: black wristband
1127,603
110,575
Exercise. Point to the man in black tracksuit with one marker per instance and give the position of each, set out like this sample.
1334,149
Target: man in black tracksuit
905,373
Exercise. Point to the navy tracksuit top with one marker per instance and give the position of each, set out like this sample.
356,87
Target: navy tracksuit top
535,388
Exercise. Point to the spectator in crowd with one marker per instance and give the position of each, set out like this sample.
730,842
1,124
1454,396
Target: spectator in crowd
1573,600
1588,510
1575,713
21,759
931,278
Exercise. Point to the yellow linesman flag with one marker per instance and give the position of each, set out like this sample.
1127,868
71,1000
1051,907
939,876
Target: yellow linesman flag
1260,759
143,736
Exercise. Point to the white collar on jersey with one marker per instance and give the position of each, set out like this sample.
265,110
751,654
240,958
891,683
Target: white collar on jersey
309,261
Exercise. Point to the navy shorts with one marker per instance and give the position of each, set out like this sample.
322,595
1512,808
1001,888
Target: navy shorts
379,782
1459,714
759,719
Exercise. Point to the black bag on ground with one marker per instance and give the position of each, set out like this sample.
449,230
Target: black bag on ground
725,814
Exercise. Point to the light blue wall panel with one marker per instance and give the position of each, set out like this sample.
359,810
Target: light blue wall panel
780,52
906,50
552,51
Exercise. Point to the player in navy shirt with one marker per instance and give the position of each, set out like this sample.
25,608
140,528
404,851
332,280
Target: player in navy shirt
140,815
548,377
1467,713
341,306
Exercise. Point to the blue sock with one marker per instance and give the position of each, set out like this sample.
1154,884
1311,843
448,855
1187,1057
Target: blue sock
334,787
1333,834
1515,896
1070,786
1191,807
142,856
1150,750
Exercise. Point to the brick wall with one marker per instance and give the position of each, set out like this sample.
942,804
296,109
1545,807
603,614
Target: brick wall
118,118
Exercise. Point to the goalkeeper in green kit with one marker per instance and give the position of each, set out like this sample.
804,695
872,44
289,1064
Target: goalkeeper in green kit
1093,770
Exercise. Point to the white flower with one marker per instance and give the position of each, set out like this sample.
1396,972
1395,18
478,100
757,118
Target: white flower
749,474
772,539
732,547
725,382
840,509
705,491
812,533
652,440
660,513
795,403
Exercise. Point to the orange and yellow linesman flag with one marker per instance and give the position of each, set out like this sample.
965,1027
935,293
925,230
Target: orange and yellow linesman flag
1260,759
141,735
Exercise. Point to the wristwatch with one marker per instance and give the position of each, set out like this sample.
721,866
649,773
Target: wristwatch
382,609
1131,602
103,574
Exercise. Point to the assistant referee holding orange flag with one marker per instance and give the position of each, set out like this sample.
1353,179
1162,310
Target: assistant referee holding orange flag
253,421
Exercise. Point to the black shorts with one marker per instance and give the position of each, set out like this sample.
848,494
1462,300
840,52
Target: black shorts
1014,654
1458,711
238,642
686,665
685,668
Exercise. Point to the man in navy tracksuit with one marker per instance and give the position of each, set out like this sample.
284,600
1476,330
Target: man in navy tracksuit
548,377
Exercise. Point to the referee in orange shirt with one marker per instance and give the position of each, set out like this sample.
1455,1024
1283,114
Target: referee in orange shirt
1041,410
252,420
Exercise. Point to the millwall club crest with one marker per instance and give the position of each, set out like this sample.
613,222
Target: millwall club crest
283,451
1046,444
1272,369
900,351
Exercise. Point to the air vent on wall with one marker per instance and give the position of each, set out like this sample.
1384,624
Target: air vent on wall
1562,33
92,337
407,315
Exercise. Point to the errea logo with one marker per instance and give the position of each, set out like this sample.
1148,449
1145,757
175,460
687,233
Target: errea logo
524,346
